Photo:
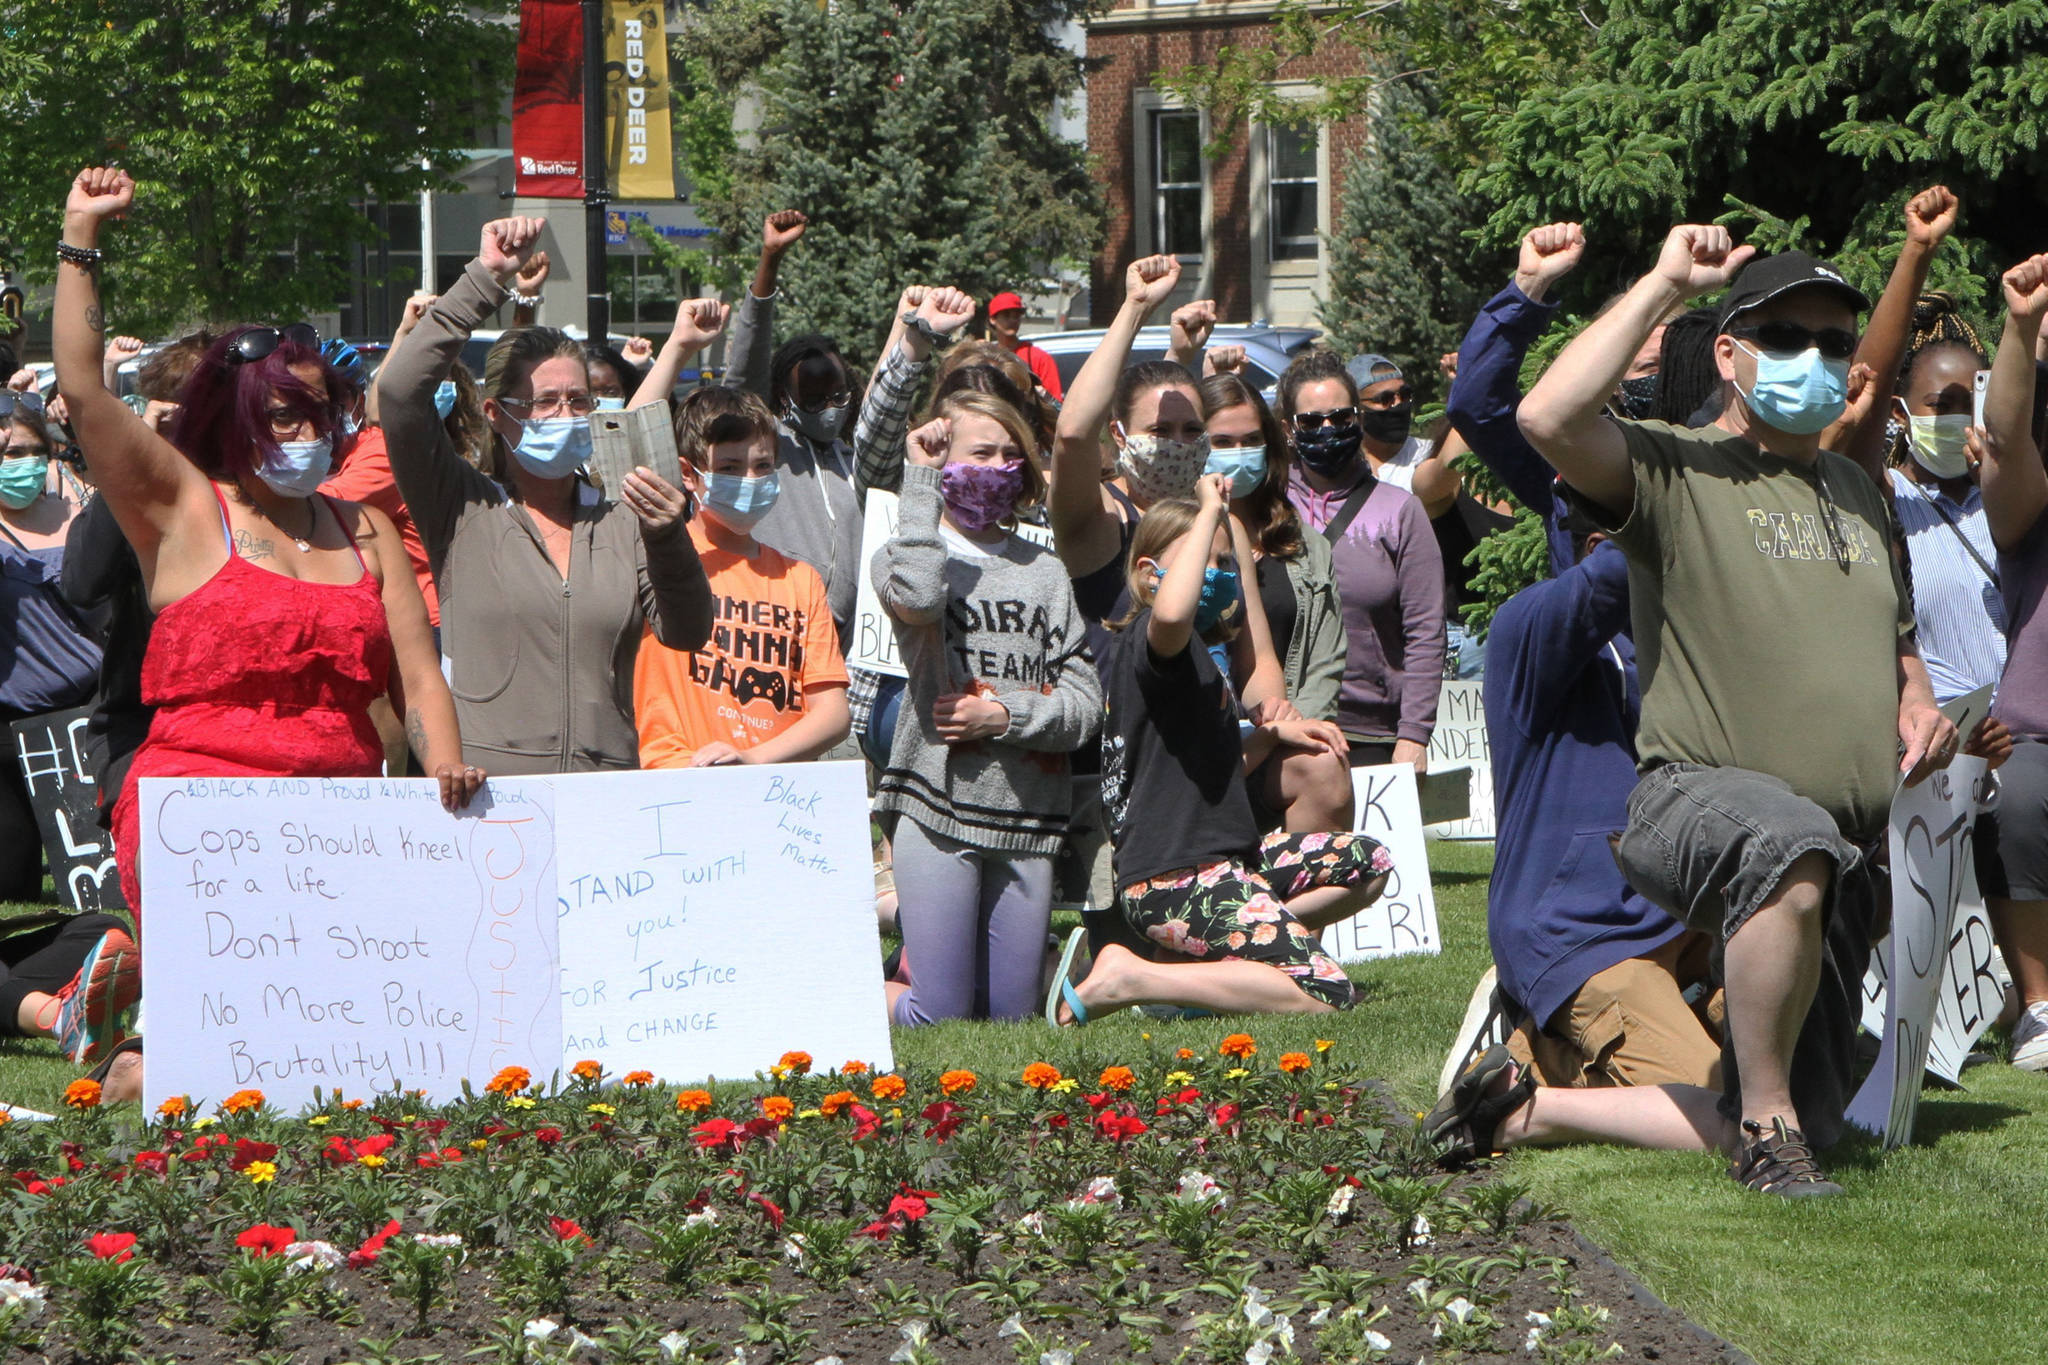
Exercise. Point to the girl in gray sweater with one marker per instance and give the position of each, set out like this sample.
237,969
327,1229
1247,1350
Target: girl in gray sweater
1000,692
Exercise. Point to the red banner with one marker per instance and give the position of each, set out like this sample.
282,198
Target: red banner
547,101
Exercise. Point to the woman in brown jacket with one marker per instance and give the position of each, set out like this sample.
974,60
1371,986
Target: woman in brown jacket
546,586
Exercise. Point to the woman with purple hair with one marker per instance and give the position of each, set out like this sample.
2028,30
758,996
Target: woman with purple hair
281,614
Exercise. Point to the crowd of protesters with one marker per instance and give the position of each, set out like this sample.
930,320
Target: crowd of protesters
1147,627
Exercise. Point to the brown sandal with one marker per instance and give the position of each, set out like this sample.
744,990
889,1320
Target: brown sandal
1467,1119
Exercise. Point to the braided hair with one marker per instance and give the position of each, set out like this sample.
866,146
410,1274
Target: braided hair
1937,323
1686,375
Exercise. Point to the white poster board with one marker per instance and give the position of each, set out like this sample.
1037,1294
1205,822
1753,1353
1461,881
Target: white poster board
307,932
874,638
1459,741
714,918
1403,919
1930,851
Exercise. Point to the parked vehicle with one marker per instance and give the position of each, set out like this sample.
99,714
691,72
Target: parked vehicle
1266,349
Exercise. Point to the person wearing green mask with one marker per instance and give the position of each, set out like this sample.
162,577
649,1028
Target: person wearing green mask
49,659
1957,606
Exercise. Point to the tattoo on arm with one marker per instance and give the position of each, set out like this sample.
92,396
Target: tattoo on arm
249,547
416,733
94,318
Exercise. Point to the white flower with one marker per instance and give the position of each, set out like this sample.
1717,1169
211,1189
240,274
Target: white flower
1320,1316
1100,1190
1013,1326
540,1329
1600,1314
1418,1232
1255,1311
1033,1223
438,1239
1540,1321
1340,1201
1197,1185
673,1345
1378,1342
20,1293
913,1337
1534,1341
1420,1289
1460,1309
583,1348
305,1256
1259,1352
709,1215
1284,1334
1056,1358
793,1247
829,1360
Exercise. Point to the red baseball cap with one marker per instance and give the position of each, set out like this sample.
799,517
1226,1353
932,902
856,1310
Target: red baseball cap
1002,303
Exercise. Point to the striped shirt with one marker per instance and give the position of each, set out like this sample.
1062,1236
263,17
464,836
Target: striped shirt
1956,604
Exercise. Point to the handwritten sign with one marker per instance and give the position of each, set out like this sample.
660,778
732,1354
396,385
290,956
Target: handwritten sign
1403,919
874,637
1459,741
1930,851
713,918
346,933
50,750
1972,991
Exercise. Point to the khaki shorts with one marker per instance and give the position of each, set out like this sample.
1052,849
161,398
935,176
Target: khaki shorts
1631,1025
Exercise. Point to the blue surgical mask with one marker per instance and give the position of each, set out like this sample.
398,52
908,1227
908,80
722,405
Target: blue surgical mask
22,480
1245,466
349,425
553,447
444,399
1799,394
298,468
741,502
610,404
1219,595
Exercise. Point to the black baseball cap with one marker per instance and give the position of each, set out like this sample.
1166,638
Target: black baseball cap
1766,277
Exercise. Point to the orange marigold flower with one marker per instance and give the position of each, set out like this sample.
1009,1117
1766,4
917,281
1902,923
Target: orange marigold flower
836,1101
1238,1045
889,1087
1291,1062
690,1101
853,1068
5,1118
1041,1075
83,1093
510,1081
956,1082
586,1070
1117,1078
778,1107
637,1079
173,1108
1186,1054
351,1105
795,1063
242,1101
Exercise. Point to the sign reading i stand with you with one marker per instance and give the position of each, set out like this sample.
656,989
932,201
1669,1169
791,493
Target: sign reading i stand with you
49,750
345,933
1403,919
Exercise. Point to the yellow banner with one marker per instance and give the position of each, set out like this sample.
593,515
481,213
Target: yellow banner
638,162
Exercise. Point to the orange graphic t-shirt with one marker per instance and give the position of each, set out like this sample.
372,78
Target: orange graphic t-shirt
771,637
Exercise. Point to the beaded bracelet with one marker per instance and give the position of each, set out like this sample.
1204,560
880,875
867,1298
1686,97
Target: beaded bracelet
78,255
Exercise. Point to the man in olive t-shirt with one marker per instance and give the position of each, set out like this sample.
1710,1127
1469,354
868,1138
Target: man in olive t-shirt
1780,677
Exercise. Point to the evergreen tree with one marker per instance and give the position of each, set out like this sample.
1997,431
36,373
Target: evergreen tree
916,136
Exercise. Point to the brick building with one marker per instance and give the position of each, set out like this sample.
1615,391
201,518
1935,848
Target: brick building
1247,227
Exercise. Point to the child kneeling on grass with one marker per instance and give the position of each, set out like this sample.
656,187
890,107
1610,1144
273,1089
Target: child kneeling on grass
1225,907
769,686
999,693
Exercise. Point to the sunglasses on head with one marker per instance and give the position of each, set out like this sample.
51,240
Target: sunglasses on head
1336,417
1789,338
258,342
12,402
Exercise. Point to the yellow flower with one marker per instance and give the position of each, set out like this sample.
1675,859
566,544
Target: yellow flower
260,1172
605,1109
478,1144
520,1102
1331,1085
1239,1045
956,1082
317,1121
1042,1076
690,1101
1117,1078
1065,1084
1176,1079
586,1070
371,1159
810,1113
1292,1062
83,1093
1236,1073
204,1121
1325,1044
777,1107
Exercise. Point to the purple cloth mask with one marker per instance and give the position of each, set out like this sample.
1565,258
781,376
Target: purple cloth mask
981,496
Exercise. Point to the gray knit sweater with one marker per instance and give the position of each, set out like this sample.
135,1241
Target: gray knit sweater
1004,624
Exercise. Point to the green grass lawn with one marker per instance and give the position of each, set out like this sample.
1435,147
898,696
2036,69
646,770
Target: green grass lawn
1935,1253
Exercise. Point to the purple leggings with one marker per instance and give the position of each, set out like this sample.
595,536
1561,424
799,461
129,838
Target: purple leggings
974,925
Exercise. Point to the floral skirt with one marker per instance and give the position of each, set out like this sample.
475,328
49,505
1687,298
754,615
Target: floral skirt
1228,910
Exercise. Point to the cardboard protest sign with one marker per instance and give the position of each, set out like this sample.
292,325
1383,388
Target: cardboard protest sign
1403,919
1930,852
50,751
346,933
1459,741
874,637
713,918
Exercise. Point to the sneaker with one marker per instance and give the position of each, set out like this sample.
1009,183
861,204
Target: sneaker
2030,1038
1485,1023
91,1005
1779,1162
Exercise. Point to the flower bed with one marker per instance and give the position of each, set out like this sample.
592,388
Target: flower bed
1218,1206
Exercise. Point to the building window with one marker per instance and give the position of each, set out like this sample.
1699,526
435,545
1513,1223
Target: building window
1293,190
1177,182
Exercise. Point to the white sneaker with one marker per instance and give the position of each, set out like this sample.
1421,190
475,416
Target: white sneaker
2030,1038
1485,1023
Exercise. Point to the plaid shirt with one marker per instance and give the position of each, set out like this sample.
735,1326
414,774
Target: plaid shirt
878,436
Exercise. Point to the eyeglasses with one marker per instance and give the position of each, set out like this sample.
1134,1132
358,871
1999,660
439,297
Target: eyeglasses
259,342
1336,417
569,405
1404,394
29,402
1789,338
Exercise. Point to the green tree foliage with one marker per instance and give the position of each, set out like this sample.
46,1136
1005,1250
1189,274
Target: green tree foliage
917,137
1402,281
254,129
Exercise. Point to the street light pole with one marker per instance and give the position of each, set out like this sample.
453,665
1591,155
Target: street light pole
595,194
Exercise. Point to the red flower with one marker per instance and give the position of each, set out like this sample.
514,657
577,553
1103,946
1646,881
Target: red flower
112,1246
372,1246
1187,1096
567,1229
547,1137
759,1128
1100,1100
769,1208
910,1205
265,1240
945,1118
160,1162
1224,1115
248,1150
864,1121
1117,1127
1056,1120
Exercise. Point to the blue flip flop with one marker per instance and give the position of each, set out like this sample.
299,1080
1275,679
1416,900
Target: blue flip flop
1063,985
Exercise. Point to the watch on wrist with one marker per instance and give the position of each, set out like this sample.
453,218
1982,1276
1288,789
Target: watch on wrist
925,329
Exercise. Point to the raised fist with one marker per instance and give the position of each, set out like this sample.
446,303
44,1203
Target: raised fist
1700,257
1150,279
1549,253
99,193
698,323
507,245
946,310
532,275
1191,324
2026,289
781,229
929,443
1931,216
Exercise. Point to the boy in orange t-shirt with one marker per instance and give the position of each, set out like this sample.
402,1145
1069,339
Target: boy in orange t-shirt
769,686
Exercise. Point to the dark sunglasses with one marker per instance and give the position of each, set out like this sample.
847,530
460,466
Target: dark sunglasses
1789,338
1336,417
258,342
1404,394
11,401
833,402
